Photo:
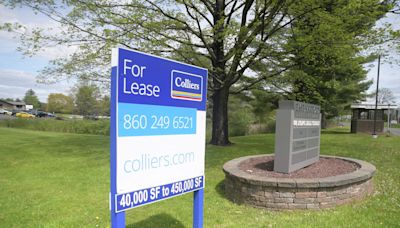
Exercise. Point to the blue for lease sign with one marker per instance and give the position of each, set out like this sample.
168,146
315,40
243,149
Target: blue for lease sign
151,80
157,128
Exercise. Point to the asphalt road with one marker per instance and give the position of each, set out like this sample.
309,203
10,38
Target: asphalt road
395,131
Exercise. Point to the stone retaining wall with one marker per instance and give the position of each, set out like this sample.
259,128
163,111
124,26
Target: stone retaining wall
297,193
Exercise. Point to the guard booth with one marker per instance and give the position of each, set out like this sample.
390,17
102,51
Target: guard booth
362,119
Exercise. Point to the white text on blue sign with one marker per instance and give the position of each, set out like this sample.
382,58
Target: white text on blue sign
141,197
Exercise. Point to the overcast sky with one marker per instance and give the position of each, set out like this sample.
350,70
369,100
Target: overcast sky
18,73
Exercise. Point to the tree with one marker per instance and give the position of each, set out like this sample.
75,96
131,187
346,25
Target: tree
241,116
86,99
228,36
43,106
30,98
394,33
385,96
60,103
104,106
7,99
327,45
263,103
231,35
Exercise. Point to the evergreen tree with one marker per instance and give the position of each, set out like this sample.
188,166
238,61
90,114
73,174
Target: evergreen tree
327,45
30,98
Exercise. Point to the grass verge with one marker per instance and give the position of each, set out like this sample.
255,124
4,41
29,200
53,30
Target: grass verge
94,127
62,180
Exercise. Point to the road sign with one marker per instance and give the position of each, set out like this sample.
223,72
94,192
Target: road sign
157,129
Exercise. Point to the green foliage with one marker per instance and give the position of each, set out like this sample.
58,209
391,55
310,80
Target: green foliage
240,116
86,100
60,103
395,125
263,104
62,180
7,99
226,37
98,127
30,98
104,106
328,66
252,112
89,102
242,43
393,33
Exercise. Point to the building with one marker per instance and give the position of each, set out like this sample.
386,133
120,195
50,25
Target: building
363,119
11,105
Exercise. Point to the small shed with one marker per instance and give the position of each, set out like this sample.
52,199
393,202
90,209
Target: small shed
10,105
362,119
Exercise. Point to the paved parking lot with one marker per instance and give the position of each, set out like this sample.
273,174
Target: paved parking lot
5,117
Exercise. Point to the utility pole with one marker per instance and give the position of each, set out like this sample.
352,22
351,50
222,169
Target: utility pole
388,117
374,135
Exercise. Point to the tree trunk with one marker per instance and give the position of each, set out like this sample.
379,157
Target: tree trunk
220,118
324,122
221,85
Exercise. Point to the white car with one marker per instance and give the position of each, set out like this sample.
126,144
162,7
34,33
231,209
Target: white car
5,112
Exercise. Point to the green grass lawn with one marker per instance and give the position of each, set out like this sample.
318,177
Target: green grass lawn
62,180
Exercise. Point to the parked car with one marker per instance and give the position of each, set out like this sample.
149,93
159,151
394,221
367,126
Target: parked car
5,112
24,115
44,114
50,114
15,111
31,111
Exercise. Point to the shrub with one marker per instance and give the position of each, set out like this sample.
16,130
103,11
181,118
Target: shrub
99,127
240,121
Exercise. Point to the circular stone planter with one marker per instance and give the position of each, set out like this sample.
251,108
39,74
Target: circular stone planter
297,193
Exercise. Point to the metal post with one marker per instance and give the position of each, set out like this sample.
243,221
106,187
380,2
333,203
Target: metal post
117,219
388,119
198,205
376,97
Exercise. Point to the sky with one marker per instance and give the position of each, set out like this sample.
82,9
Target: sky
18,73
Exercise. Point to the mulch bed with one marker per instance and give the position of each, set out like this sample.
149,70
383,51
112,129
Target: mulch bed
325,167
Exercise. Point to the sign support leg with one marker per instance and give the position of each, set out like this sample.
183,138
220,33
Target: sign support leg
198,205
117,219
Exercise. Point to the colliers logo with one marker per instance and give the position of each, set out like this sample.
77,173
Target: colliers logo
186,86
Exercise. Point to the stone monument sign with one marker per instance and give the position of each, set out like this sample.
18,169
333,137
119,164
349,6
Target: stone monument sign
297,138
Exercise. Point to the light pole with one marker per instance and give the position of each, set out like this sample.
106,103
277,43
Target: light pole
374,135
388,118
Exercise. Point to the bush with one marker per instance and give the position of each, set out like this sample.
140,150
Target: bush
240,121
99,127
262,128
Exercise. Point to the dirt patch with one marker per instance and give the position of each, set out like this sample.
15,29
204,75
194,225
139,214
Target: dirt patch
325,167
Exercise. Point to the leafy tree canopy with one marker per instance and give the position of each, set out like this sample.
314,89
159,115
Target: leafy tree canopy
60,103
242,43
86,99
